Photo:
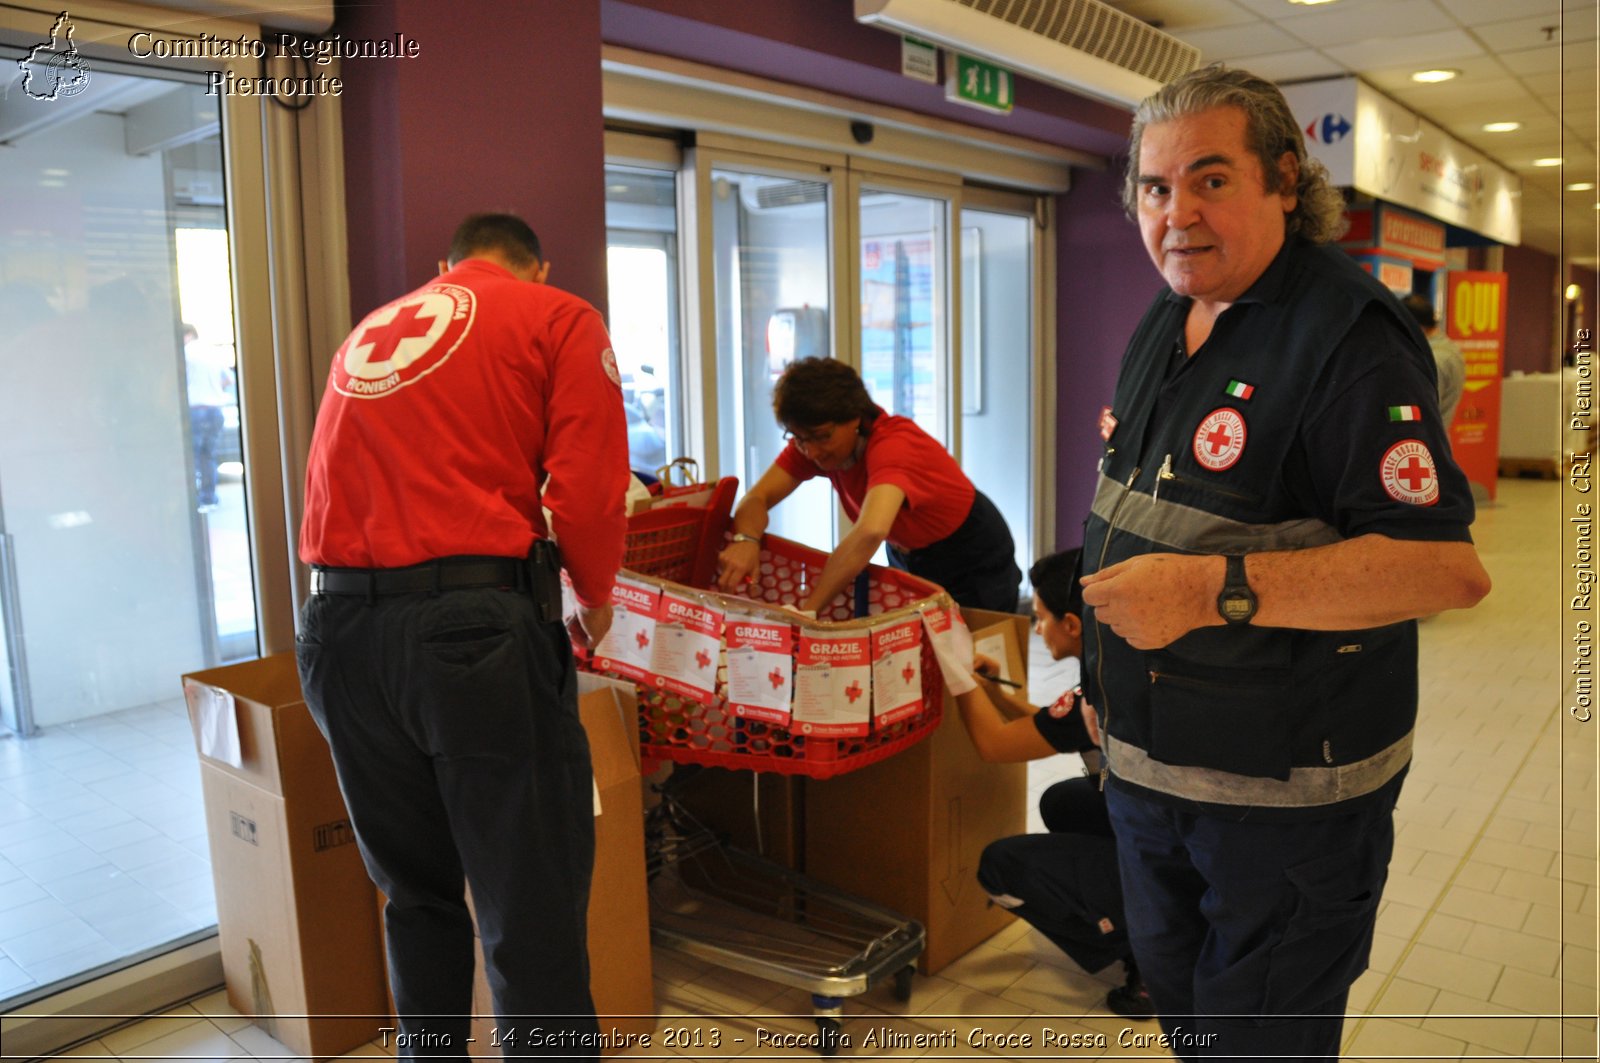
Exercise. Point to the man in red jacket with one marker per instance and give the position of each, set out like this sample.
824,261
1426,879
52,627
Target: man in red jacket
432,650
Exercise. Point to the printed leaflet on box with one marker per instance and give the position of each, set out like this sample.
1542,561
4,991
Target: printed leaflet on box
688,644
833,683
760,667
896,671
627,648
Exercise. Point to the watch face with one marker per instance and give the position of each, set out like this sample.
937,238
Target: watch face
1236,608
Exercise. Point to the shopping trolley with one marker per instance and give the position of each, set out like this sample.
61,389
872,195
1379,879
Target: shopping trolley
732,908
716,902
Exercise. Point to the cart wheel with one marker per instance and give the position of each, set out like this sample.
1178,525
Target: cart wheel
902,983
828,1036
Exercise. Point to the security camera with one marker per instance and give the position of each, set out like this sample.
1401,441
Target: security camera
862,131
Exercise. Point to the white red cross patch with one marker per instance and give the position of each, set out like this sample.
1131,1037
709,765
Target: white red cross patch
403,342
1409,473
1219,441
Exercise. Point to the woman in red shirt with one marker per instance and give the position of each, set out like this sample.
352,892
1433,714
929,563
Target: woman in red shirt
898,485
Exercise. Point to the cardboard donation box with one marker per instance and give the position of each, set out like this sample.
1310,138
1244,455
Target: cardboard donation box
620,975
301,949
933,808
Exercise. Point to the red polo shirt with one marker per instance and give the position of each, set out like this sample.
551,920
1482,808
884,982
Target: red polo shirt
938,494
453,414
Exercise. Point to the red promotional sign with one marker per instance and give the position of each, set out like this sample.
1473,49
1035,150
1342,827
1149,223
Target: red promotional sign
1475,318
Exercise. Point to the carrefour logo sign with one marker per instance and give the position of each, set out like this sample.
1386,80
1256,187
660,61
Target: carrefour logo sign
1328,129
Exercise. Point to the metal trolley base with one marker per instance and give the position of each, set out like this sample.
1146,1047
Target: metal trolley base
746,913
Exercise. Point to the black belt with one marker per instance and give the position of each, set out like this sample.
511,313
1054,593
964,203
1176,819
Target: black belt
445,574
537,574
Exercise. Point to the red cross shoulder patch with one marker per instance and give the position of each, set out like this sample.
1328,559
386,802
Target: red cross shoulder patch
403,342
1409,474
1219,440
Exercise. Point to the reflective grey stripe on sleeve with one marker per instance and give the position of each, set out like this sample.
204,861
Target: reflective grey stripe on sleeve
1181,527
1305,787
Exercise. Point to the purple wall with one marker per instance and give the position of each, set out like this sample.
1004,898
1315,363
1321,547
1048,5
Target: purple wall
1106,282
1530,310
497,115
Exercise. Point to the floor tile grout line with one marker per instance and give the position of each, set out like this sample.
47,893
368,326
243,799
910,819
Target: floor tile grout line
1449,883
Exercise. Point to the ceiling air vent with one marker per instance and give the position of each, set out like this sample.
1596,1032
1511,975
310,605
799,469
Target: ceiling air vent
1083,45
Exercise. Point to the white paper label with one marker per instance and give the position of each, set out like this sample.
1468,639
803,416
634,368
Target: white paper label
218,723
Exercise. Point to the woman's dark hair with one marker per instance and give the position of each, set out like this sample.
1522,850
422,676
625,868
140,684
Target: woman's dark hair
818,391
1055,582
1421,308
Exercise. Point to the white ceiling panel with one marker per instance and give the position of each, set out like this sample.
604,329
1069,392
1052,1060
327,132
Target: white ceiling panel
1474,69
1286,67
1470,12
1226,42
1462,93
1329,26
1579,60
1522,33
1424,49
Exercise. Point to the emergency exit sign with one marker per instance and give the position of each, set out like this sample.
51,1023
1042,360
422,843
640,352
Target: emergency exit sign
979,84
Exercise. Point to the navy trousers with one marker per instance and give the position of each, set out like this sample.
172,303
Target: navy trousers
1249,934
976,563
1064,883
454,728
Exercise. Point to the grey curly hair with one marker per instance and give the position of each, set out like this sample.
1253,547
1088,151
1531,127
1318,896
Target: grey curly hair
1270,130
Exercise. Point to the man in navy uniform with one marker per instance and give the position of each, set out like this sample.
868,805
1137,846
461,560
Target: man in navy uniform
1276,505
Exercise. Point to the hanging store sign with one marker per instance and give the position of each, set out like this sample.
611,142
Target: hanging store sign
919,60
1370,143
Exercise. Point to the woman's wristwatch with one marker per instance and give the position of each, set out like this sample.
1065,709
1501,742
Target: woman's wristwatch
741,537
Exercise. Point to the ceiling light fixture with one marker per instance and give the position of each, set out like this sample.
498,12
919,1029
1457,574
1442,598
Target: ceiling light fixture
1580,186
1310,3
1429,77
1502,127
1547,161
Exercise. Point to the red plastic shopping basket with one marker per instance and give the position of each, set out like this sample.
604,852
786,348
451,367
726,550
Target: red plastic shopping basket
678,546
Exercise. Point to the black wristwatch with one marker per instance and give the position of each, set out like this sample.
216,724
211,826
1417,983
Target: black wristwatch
1237,602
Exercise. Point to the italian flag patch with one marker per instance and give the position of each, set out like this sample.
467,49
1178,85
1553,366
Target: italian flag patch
1240,390
1405,413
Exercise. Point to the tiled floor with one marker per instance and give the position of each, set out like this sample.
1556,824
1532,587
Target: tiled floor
102,844
1486,939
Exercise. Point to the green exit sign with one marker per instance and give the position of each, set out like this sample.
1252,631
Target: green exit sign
979,84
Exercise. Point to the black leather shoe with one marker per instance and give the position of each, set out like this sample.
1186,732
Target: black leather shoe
1131,1000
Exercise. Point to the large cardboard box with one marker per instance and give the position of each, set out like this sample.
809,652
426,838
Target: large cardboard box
907,832
620,973
759,812
300,941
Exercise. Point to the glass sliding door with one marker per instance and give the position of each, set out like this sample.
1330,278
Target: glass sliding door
997,366
123,512
904,290
642,272
771,247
